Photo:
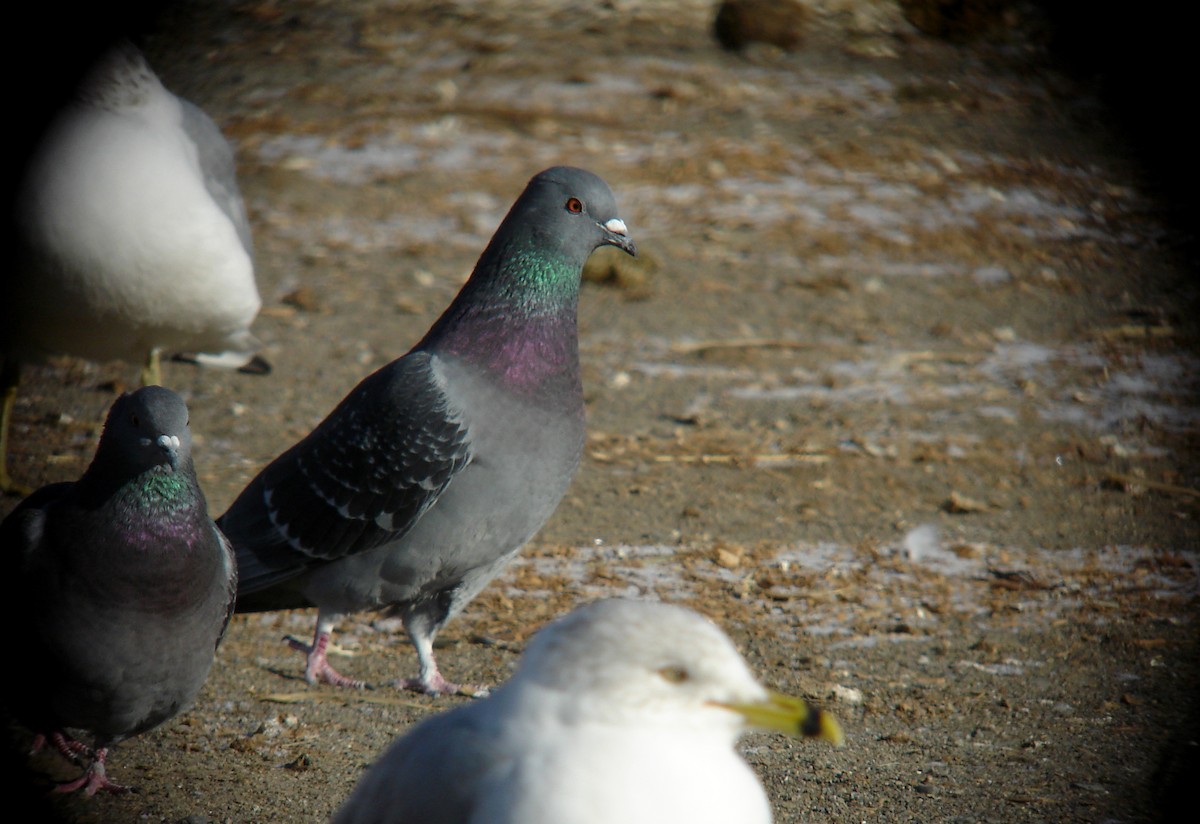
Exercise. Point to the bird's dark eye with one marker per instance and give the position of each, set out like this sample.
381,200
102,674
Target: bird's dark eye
674,675
574,205
133,419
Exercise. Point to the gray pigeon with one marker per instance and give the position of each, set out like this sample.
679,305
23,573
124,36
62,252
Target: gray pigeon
118,586
622,711
434,471
132,237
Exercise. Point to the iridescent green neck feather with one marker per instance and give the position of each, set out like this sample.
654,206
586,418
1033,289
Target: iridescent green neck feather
516,317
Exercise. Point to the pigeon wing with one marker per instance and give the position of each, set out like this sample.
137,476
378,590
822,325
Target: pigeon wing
362,478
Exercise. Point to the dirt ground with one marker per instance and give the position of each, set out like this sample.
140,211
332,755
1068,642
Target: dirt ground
903,393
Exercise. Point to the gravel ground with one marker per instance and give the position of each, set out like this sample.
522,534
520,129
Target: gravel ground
902,393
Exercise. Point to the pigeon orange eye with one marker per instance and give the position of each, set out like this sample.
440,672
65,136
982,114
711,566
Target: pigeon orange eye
574,205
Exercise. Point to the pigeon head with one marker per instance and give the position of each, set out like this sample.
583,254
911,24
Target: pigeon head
147,429
533,263
573,212
516,315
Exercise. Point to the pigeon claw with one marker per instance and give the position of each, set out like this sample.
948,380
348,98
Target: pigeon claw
318,669
94,780
437,685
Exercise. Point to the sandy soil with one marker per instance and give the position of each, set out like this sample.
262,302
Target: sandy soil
905,397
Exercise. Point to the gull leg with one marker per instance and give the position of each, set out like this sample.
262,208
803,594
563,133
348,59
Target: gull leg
152,368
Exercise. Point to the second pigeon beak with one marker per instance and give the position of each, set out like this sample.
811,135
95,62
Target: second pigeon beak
169,444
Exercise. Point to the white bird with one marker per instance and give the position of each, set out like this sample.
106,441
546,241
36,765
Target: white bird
134,238
622,711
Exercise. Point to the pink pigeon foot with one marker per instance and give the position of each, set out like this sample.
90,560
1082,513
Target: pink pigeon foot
70,749
94,780
430,680
435,684
318,668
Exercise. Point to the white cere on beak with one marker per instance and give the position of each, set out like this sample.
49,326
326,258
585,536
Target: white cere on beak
616,226
168,441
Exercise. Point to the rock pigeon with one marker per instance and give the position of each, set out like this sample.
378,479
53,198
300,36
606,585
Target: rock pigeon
435,470
132,236
621,711
117,589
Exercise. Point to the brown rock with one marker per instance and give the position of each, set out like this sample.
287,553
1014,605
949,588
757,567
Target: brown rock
781,23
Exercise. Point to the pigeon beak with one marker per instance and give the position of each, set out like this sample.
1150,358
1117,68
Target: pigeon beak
169,444
615,234
792,716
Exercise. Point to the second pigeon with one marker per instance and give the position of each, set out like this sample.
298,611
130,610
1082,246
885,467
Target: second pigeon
118,587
